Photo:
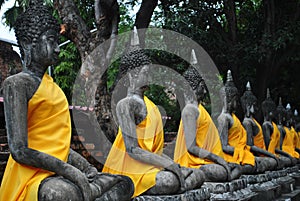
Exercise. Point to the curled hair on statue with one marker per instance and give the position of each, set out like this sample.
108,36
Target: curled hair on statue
32,23
228,91
134,57
268,105
193,77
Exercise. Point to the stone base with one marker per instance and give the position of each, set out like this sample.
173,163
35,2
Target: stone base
201,194
287,184
266,191
231,191
293,196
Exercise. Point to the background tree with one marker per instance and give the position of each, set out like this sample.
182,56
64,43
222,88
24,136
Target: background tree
257,39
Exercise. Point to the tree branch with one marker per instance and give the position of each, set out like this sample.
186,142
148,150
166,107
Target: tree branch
75,28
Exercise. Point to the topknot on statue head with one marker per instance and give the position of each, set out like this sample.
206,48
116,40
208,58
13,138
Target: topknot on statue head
192,75
248,97
229,91
134,58
33,22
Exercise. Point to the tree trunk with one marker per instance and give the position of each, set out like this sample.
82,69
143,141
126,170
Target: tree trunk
143,18
229,7
107,18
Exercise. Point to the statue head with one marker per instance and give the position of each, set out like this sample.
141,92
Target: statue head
289,116
136,63
281,113
229,94
249,101
30,27
268,107
195,79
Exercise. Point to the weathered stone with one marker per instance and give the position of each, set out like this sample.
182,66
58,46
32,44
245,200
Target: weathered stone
200,194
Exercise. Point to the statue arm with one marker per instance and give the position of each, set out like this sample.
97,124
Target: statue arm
16,100
267,131
190,114
126,113
223,127
248,127
283,153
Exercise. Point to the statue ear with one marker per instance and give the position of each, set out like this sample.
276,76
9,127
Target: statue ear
26,45
131,81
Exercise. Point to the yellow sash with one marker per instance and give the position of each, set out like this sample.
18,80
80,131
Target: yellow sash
288,142
259,138
275,139
49,131
151,138
207,137
237,138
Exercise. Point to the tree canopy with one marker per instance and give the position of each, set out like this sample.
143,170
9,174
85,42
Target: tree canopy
259,40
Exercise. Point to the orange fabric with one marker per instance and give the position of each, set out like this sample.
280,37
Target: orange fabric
288,143
237,138
275,139
207,137
259,138
151,138
298,140
49,131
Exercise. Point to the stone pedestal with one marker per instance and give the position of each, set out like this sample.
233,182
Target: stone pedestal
230,191
201,194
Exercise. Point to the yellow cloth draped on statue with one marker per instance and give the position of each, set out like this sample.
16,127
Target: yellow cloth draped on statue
288,143
207,137
150,137
275,139
259,137
49,131
237,138
296,138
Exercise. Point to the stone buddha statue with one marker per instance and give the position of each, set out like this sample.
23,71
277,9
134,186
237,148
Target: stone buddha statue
41,165
198,143
296,130
255,138
290,139
286,142
232,133
138,148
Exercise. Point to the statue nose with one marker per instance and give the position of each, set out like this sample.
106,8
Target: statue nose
57,49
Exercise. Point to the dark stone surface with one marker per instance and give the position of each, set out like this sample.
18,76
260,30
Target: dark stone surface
201,194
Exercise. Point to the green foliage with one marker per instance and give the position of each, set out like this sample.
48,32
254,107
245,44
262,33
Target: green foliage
167,106
66,72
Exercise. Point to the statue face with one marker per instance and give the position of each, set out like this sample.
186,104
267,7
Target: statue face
232,104
201,90
142,77
46,50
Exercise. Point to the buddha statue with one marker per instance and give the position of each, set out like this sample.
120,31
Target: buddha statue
198,143
296,130
255,138
232,133
286,143
137,151
41,165
290,136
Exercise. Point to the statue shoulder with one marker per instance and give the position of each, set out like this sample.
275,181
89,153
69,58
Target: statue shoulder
23,83
248,121
190,109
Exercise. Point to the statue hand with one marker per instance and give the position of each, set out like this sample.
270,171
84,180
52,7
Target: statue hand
294,160
82,182
227,168
277,163
90,173
175,168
